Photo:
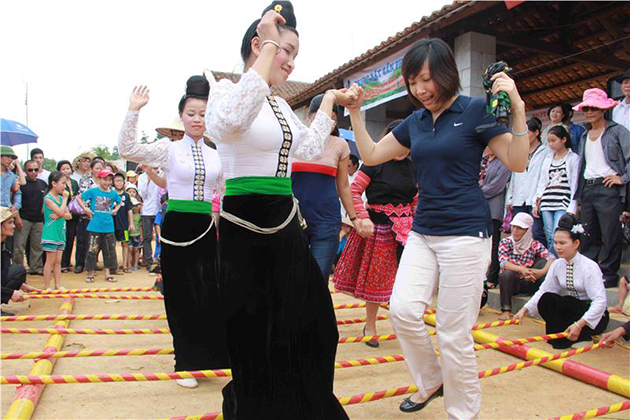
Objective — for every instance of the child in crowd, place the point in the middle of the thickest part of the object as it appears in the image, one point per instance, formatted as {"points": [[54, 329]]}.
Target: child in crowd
{"points": [[159, 218], [557, 183], [54, 232], [623, 307], [104, 204], [123, 221], [135, 236]]}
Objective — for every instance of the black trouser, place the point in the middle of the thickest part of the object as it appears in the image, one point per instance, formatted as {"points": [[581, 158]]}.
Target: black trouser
{"points": [[105, 242], [147, 237], [493, 270], [601, 208], [71, 233], [82, 242], [559, 312], [510, 284], [16, 276]]}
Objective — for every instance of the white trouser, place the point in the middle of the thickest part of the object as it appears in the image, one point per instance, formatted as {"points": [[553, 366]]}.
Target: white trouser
{"points": [[455, 268]]}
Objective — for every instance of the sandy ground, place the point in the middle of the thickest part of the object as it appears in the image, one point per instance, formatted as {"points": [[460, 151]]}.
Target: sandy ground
{"points": [[534, 392]]}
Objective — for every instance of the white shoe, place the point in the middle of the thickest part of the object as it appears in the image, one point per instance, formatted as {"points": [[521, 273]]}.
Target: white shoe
{"points": [[187, 383]]}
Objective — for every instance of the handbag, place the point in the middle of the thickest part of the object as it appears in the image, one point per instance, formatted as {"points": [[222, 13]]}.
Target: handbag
{"points": [[75, 208]]}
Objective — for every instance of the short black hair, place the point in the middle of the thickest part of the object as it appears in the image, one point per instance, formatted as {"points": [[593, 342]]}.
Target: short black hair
{"points": [[441, 61], [561, 132], [534, 124], [313, 107], [120, 175], [54, 176], [36, 151], [354, 159], [567, 111], [63, 162], [97, 160], [29, 161]]}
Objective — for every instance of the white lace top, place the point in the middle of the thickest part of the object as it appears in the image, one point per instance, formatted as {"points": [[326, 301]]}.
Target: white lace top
{"points": [[193, 170], [247, 133]]}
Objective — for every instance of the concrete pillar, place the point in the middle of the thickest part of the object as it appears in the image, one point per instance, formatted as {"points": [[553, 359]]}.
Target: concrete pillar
{"points": [[474, 52]]}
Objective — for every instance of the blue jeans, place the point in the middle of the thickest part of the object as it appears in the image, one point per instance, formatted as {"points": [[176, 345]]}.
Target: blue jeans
{"points": [[324, 250], [550, 219], [539, 232]]}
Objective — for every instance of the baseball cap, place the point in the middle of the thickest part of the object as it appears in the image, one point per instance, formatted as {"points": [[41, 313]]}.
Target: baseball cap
{"points": [[105, 172]]}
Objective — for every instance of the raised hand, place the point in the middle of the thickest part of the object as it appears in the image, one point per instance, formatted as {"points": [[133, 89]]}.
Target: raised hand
{"points": [[139, 98], [504, 83], [267, 29]]}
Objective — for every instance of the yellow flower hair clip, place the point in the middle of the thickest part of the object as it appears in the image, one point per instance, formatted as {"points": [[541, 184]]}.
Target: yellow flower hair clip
{"points": [[278, 8]]}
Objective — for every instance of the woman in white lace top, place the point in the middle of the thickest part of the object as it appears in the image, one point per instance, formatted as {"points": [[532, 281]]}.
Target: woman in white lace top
{"points": [[280, 324], [189, 238]]}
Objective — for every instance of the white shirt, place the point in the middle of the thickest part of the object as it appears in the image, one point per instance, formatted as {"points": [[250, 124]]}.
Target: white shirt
{"points": [[588, 281], [247, 133], [43, 175], [621, 113], [596, 165], [522, 188], [76, 176], [193, 170]]}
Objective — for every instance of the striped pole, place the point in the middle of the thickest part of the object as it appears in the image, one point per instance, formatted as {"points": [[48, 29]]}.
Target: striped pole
{"points": [[520, 341], [103, 317], [153, 317], [207, 416], [534, 362], [113, 377], [596, 412], [87, 353], [580, 371], [84, 331], [359, 320], [94, 290], [94, 296], [27, 396]]}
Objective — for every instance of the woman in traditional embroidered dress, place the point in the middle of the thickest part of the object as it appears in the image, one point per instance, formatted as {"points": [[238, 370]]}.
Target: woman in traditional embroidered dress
{"points": [[318, 185], [572, 298], [281, 328], [189, 239], [368, 265]]}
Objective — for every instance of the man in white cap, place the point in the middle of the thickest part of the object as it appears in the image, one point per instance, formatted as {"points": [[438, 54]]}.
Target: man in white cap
{"points": [[13, 275]]}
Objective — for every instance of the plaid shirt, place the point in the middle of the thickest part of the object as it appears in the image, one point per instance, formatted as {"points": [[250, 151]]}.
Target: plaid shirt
{"points": [[506, 253]]}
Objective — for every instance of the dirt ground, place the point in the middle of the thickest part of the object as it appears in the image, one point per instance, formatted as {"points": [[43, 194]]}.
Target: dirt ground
{"points": [[534, 392]]}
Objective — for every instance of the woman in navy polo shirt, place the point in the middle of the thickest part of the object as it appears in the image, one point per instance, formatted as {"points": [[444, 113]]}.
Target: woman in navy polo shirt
{"points": [[448, 250]]}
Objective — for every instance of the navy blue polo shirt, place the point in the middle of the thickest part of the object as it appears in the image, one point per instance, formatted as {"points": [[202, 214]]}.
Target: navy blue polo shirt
{"points": [[447, 158]]}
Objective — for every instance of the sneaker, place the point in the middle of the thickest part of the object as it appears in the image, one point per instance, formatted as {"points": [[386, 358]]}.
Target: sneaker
{"points": [[78, 269], [187, 383]]}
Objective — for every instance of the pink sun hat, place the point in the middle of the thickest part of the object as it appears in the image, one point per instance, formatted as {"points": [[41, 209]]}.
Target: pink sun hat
{"points": [[595, 98]]}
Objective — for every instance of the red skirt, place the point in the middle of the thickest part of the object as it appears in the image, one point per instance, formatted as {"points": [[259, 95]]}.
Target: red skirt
{"points": [[367, 267]]}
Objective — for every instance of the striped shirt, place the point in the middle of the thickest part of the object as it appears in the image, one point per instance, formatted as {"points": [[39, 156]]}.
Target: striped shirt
{"points": [[557, 195]]}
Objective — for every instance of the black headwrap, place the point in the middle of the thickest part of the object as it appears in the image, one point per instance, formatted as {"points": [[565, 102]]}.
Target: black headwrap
{"points": [[285, 8], [196, 87]]}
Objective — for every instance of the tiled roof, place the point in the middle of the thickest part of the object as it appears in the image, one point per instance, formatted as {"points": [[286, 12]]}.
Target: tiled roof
{"points": [[400, 40], [288, 90]]}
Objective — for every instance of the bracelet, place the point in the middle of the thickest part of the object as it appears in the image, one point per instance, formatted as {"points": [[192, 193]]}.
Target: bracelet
{"points": [[576, 324], [352, 219], [519, 134], [270, 41]]}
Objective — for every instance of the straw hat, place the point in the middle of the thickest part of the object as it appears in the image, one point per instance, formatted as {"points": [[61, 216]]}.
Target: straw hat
{"points": [[6, 214], [168, 130]]}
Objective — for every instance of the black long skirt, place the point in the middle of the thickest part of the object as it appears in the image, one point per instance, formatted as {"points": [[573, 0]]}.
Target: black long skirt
{"points": [[280, 323], [191, 293], [559, 312]]}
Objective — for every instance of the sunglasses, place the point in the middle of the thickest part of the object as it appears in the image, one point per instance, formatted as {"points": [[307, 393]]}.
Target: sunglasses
{"points": [[590, 109], [32, 170]]}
